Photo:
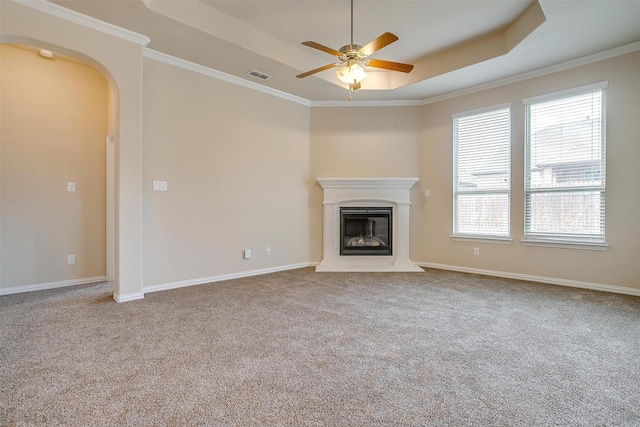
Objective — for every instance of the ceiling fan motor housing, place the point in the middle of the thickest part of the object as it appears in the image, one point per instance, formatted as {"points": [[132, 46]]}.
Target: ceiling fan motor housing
{"points": [[351, 51]]}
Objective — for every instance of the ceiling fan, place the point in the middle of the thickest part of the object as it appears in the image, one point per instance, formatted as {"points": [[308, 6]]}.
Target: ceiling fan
{"points": [[352, 56]]}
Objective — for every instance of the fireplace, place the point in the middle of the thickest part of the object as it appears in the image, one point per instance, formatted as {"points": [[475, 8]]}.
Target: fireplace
{"points": [[366, 224], [366, 231]]}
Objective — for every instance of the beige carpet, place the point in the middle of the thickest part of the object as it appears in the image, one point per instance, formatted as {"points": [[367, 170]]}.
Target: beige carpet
{"points": [[300, 348]]}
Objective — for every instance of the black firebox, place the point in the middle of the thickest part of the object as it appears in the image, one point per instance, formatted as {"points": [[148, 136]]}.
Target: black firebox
{"points": [[366, 231]]}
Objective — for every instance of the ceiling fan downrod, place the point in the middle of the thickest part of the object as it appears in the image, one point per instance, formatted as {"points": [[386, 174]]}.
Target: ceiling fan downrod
{"points": [[351, 44]]}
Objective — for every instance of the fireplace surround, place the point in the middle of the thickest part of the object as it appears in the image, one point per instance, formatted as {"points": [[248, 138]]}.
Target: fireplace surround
{"points": [[373, 195]]}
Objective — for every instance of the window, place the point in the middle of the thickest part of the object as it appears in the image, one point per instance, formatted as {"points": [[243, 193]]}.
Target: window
{"points": [[482, 172], [565, 166]]}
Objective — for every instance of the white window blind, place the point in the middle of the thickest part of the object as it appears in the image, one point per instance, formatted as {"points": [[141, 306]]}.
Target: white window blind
{"points": [[565, 167], [482, 172]]}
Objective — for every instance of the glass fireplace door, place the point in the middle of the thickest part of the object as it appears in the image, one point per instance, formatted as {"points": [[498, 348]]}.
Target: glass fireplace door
{"points": [[366, 231]]}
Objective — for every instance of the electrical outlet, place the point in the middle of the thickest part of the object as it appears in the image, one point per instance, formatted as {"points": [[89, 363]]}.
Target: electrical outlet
{"points": [[160, 186], [246, 254], [71, 259], [268, 251], [476, 251]]}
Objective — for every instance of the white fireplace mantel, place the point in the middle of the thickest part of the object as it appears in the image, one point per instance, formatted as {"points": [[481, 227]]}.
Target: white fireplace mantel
{"points": [[367, 192]]}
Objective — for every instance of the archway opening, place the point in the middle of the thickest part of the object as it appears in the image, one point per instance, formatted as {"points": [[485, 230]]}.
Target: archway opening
{"points": [[58, 138]]}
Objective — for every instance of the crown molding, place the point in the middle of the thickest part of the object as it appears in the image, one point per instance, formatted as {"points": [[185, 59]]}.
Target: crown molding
{"points": [[201, 69], [84, 20], [397, 103], [600, 56], [574, 63], [142, 40]]}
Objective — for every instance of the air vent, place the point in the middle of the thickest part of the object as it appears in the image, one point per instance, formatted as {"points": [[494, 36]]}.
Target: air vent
{"points": [[259, 75]]}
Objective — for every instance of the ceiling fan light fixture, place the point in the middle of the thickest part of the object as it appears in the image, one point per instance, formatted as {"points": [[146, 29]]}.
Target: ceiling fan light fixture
{"points": [[351, 73]]}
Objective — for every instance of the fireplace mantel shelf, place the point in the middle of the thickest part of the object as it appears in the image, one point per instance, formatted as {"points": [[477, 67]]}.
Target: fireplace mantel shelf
{"points": [[369, 192], [400, 183]]}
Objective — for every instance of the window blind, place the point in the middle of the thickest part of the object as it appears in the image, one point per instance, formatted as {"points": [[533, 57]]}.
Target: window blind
{"points": [[482, 172], [565, 168]]}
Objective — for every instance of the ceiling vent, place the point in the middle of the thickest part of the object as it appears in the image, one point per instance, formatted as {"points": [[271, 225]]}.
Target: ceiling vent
{"points": [[259, 75]]}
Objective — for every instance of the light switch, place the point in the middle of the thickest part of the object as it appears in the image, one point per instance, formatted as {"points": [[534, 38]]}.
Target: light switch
{"points": [[427, 192], [160, 186], [71, 186]]}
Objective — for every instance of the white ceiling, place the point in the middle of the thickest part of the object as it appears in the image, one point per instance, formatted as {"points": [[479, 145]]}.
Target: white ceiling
{"points": [[237, 36]]}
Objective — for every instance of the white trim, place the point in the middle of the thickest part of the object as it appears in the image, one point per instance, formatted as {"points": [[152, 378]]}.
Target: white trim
{"points": [[600, 56], [489, 109], [397, 103], [566, 92], [565, 244], [51, 285], [221, 277], [210, 72], [86, 21], [104, 27], [128, 297], [404, 183], [555, 238], [596, 57], [574, 63], [483, 239], [362, 265], [539, 279], [110, 200]]}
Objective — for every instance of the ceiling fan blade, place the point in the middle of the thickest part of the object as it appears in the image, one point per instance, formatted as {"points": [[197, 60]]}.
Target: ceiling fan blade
{"points": [[316, 70], [389, 65], [322, 48], [378, 43]]}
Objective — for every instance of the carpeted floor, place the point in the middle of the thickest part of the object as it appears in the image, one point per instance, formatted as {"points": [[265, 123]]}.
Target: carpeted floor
{"points": [[300, 348]]}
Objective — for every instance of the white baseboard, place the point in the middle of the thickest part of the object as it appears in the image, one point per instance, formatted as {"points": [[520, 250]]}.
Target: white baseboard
{"points": [[219, 278], [230, 276], [51, 285], [539, 279], [128, 297]]}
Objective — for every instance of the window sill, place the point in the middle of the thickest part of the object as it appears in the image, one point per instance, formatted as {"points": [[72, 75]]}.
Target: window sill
{"points": [[484, 239], [566, 244]]}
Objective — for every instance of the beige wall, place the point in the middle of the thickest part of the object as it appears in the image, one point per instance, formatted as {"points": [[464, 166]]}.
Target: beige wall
{"points": [[223, 149], [54, 115], [361, 142], [618, 266], [237, 166]]}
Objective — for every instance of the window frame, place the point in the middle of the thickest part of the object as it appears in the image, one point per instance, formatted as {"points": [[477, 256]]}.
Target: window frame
{"points": [[559, 239], [492, 237]]}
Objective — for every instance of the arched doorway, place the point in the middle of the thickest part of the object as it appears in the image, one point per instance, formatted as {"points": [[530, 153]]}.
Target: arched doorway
{"points": [[118, 55], [57, 218]]}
